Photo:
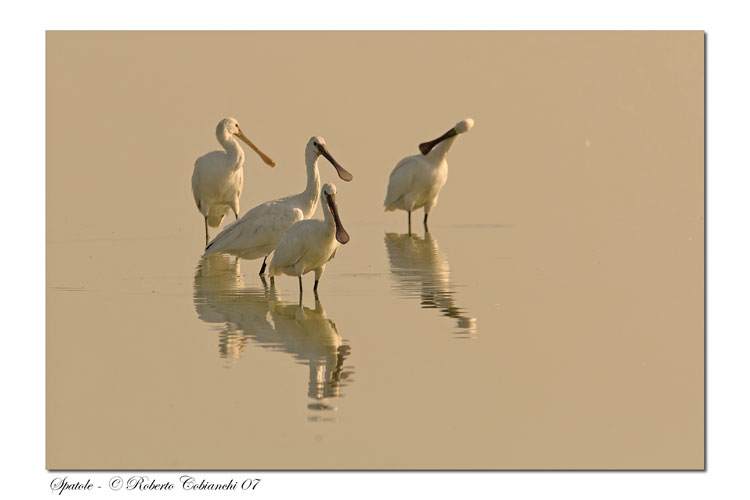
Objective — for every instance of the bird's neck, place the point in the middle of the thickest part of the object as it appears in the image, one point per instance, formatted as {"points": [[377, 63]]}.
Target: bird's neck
{"points": [[440, 151], [311, 194], [233, 149]]}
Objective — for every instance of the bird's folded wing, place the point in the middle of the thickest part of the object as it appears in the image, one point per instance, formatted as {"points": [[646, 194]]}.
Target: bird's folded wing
{"points": [[196, 187], [258, 229], [400, 181], [333, 254], [293, 245]]}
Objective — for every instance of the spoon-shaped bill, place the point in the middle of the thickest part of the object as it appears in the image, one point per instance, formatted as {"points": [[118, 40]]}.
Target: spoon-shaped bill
{"points": [[343, 173], [341, 235], [426, 147], [268, 161]]}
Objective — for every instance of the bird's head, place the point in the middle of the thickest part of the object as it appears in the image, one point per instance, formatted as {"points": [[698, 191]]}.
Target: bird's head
{"points": [[230, 127], [316, 147], [329, 190], [460, 128], [316, 144], [464, 126]]}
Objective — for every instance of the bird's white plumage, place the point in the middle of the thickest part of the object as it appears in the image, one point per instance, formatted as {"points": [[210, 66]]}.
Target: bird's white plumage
{"points": [[464, 126], [255, 235], [416, 181], [218, 176], [258, 231], [309, 244], [304, 247]]}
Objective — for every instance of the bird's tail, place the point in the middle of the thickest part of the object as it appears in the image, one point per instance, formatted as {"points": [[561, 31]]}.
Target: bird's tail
{"points": [[273, 271], [215, 220], [215, 216]]}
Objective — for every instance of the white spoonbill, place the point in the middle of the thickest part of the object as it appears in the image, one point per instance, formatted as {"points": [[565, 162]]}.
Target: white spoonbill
{"points": [[217, 176], [309, 244], [416, 180], [256, 234]]}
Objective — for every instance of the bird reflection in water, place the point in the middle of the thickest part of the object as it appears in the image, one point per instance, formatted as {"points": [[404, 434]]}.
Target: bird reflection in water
{"points": [[421, 271], [257, 314], [218, 280], [312, 339]]}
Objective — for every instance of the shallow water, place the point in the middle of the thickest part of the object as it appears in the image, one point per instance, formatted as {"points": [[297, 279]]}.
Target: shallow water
{"points": [[338, 366], [416, 359]]}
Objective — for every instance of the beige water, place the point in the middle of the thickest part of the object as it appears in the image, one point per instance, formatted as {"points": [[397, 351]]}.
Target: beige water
{"points": [[551, 317]]}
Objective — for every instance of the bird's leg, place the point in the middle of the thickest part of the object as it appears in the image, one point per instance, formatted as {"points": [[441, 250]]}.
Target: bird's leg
{"points": [[263, 267], [300, 285], [317, 299], [263, 280], [408, 216], [205, 223], [318, 274], [425, 222]]}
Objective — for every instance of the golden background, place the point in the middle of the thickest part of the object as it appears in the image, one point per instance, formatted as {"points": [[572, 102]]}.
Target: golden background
{"points": [[581, 187]]}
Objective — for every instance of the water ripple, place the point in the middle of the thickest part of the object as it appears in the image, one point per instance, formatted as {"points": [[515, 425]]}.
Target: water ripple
{"points": [[258, 315], [420, 271]]}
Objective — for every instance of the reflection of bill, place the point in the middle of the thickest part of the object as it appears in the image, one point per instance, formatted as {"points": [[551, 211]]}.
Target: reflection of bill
{"points": [[421, 271], [257, 314]]}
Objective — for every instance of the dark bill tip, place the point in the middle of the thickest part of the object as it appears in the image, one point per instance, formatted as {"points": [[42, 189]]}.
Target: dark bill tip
{"points": [[343, 173], [341, 235]]}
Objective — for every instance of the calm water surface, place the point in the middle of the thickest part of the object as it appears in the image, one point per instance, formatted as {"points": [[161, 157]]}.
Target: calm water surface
{"points": [[452, 348], [254, 312], [389, 352]]}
